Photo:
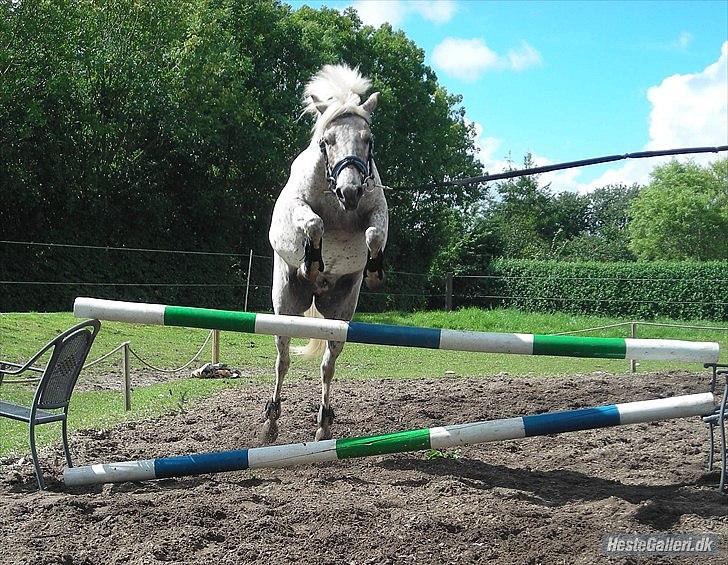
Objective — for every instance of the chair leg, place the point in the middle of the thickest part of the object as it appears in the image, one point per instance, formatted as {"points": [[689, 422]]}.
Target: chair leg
{"points": [[34, 452], [65, 444]]}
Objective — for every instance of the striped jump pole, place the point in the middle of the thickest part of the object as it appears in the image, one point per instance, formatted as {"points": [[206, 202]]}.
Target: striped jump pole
{"points": [[381, 334], [399, 442]]}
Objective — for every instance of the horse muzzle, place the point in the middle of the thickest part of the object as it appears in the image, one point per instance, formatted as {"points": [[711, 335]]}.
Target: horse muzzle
{"points": [[349, 196]]}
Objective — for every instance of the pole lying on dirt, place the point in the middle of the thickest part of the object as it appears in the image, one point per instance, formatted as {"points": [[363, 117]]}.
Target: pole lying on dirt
{"points": [[399, 442], [409, 336]]}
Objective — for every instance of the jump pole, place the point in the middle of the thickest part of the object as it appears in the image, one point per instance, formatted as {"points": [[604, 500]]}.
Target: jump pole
{"points": [[399, 442], [409, 336]]}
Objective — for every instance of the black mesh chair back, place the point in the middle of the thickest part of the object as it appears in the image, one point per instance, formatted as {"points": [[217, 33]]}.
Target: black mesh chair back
{"points": [[65, 364]]}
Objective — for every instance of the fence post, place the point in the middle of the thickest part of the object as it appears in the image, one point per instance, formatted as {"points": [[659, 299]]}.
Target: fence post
{"points": [[247, 285], [448, 292], [127, 376], [215, 346], [633, 334]]}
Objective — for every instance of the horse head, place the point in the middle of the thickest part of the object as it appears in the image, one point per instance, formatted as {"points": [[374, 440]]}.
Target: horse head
{"points": [[343, 131]]}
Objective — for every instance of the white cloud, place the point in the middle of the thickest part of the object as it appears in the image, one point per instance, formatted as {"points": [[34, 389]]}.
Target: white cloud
{"points": [[394, 12], [468, 59], [377, 12], [465, 59], [689, 110], [524, 57], [436, 11], [566, 180], [487, 147], [494, 163], [692, 108]]}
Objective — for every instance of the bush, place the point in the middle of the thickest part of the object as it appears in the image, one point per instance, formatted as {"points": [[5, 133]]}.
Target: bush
{"points": [[682, 290]]}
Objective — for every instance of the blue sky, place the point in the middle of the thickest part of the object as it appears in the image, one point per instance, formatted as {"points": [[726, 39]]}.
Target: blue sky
{"points": [[571, 80]]}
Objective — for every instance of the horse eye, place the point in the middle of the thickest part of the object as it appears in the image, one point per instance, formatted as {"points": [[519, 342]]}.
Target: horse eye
{"points": [[330, 138], [366, 136]]}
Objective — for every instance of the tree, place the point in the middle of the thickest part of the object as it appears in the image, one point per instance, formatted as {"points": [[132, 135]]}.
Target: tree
{"points": [[521, 211], [682, 214], [604, 237], [173, 123]]}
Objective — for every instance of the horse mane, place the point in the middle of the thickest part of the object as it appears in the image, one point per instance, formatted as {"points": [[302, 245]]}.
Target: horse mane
{"points": [[341, 88]]}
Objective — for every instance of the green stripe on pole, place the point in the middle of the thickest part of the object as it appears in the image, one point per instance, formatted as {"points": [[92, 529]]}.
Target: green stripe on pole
{"points": [[210, 319], [398, 442], [603, 347]]}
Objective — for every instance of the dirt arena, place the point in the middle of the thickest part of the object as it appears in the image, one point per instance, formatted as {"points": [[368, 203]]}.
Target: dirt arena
{"points": [[538, 500]]}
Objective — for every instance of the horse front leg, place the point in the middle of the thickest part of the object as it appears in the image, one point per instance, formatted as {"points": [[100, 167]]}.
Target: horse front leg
{"points": [[374, 271], [272, 411], [312, 226], [326, 413]]}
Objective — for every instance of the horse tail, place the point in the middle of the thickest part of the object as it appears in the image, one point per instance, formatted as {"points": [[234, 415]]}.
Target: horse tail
{"points": [[315, 347]]}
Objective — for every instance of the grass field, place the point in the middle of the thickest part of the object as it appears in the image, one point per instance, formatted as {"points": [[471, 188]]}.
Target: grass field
{"points": [[23, 334]]}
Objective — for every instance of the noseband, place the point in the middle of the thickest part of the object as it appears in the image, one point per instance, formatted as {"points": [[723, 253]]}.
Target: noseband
{"points": [[365, 168]]}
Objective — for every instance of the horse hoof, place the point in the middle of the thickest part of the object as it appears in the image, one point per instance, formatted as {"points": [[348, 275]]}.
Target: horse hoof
{"points": [[322, 433], [268, 432]]}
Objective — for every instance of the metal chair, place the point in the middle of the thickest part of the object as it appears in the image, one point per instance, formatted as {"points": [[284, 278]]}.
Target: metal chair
{"points": [[53, 393]]}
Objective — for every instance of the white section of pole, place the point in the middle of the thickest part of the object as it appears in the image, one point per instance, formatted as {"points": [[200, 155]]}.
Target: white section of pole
{"points": [[672, 350], [478, 432], [298, 326], [666, 408], [292, 454], [485, 342], [118, 311], [109, 473]]}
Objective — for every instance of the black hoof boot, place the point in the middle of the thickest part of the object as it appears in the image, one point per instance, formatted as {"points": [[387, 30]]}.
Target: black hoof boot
{"points": [[311, 255], [374, 271]]}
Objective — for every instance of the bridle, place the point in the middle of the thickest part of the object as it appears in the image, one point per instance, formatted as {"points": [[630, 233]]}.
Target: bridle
{"points": [[365, 168]]}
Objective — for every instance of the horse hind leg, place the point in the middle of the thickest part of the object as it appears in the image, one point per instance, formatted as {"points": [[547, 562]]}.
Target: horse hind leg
{"points": [[326, 413], [338, 304], [272, 411], [290, 297]]}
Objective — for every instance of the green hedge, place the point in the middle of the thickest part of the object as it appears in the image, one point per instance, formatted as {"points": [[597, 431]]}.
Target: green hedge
{"points": [[682, 290], [120, 275]]}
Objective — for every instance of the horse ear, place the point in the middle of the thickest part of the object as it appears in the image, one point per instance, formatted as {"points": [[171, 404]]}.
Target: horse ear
{"points": [[371, 103], [320, 104]]}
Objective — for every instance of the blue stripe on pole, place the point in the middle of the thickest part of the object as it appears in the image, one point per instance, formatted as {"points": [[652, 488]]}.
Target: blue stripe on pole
{"points": [[382, 334], [201, 463], [571, 420]]}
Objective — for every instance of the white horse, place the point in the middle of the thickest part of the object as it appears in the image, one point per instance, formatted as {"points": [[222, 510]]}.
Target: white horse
{"points": [[329, 225]]}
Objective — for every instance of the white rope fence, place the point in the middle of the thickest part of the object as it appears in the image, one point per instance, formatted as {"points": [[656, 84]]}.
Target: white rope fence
{"points": [[620, 324], [126, 350], [92, 363], [178, 369]]}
